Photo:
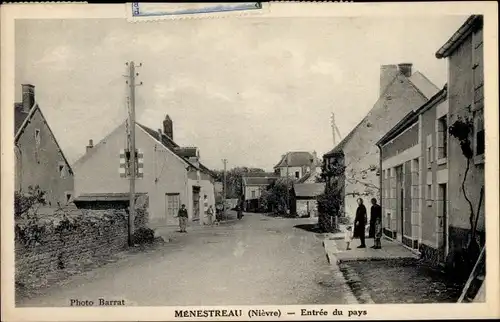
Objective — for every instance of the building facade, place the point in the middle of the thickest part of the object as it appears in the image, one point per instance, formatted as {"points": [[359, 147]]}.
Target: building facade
{"points": [[401, 91], [305, 195], [40, 160], [168, 177], [464, 52], [252, 190], [297, 164], [414, 162]]}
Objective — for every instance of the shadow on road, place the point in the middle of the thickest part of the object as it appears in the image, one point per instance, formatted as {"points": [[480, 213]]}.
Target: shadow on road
{"points": [[312, 228]]}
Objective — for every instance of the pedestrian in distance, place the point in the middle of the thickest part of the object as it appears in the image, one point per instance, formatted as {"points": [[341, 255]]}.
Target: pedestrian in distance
{"points": [[375, 212], [348, 237], [183, 218], [210, 215], [360, 223]]}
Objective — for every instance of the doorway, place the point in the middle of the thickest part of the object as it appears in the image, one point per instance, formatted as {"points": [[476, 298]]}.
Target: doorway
{"points": [[196, 203], [443, 212], [172, 206], [399, 203]]}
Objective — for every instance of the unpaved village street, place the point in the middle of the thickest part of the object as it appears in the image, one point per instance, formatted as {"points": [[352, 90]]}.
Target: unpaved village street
{"points": [[259, 260]]}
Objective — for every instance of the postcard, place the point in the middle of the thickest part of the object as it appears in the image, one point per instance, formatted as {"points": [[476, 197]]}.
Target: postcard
{"points": [[249, 161]]}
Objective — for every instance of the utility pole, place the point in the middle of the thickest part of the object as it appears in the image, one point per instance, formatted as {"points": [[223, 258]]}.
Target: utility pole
{"points": [[131, 148], [224, 189], [335, 130]]}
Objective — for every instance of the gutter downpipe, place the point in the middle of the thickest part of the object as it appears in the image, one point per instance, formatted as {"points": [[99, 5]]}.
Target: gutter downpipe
{"points": [[381, 184]]}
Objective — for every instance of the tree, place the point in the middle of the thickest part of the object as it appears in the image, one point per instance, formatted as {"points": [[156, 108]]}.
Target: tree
{"points": [[331, 201], [462, 130], [277, 196], [23, 202]]}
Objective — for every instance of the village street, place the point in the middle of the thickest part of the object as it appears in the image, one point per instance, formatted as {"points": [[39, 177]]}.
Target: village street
{"points": [[258, 260]]}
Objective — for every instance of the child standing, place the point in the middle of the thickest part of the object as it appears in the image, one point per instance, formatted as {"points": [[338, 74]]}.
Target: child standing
{"points": [[348, 237]]}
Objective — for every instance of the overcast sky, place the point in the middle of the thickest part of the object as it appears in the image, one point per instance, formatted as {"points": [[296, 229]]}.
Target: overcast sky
{"points": [[243, 89]]}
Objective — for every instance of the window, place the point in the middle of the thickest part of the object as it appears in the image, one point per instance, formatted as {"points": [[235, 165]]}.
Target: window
{"points": [[37, 137], [253, 194], [442, 133], [479, 132], [62, 170], [429, 195], [429, 150], [68, 196], [297, 174]]}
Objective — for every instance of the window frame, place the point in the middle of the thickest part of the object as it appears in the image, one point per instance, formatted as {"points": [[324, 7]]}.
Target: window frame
{"points": [[38, 137]]}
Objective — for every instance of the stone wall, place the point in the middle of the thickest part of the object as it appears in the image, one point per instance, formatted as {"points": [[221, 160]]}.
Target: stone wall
{"points": [[70, 239]]}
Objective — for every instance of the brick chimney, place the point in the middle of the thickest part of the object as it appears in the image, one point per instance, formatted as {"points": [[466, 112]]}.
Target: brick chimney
{"points": [[90, 146], [28, 97], [405, 69], [387, 74], [168, 127]]}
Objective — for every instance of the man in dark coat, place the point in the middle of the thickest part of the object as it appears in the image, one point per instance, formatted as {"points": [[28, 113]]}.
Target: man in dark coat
{"points": [[375, 212], [360, 223]]}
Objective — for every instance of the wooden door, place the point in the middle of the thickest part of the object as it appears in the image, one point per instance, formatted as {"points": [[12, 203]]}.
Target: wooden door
{"points": [[172, 206], [196, 203]]}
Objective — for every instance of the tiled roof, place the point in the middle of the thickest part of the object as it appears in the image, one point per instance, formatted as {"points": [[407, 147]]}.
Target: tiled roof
{"points": [[307, 176], [474, 21], [174, 147], [423, 85], [258, 181], [309, 189], [107, 196], [297, 159]]}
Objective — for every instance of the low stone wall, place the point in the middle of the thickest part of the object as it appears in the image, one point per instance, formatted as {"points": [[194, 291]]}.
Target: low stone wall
{"points": [[70, 239]]}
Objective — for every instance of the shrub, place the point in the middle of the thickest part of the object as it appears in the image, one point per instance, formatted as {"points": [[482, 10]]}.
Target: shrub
{"points": [[144, 235]]}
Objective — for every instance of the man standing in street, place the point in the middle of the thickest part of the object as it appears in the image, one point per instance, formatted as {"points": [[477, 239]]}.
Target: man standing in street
{"points": [[183, 217], [360, 223], [375, 212]]}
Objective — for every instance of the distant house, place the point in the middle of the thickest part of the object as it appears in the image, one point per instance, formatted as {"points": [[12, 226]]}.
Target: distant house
{"points": [[414, 159], [464, 51], [298, 164], [252, 190], [401, 91], [171, 175], [305, 195], [39, 158]]}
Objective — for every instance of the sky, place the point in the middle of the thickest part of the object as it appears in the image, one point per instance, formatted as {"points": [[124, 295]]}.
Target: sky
{"points": [[247, 90]]}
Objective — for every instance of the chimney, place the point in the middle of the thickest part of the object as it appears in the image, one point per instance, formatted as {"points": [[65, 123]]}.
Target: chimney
{"points": [[160, 134], [405, 69], [90, 146], [28, 97], [168, 127], [387, 74]]}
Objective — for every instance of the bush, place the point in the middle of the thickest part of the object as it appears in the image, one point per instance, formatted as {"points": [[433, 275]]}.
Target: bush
{"points": [[144, 235]]}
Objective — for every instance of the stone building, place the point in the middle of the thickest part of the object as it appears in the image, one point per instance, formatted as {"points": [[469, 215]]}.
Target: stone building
{"points": [[401, 91], [414, 162], [298, 164], [464, 52], [171, 175], [39, 158]]}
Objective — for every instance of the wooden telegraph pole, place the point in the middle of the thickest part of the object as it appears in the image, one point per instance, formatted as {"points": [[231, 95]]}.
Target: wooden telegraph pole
{"points": [[131, 148]]}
